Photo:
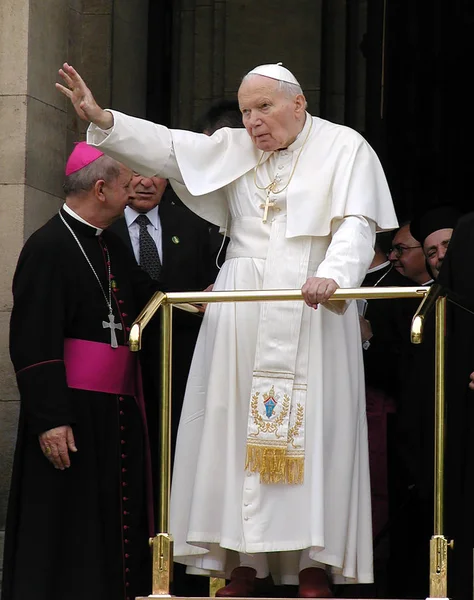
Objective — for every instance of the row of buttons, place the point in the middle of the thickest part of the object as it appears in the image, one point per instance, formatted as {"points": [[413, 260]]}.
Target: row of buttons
{"points": [[125, 499]]}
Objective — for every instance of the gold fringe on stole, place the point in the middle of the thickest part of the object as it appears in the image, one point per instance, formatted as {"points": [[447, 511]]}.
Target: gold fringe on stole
{"points": [[274, 465]]}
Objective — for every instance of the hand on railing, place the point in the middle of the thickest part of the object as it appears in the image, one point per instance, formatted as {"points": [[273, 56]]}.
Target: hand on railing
{"points": [[202, 306], [318, 290]]}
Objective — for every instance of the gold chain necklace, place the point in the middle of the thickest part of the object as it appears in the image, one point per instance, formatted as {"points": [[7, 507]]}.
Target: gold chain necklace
{"points": [[271, 187]]}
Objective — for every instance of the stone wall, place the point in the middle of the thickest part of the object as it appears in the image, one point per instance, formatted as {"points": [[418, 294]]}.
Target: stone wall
{"points": [[218, 41]]}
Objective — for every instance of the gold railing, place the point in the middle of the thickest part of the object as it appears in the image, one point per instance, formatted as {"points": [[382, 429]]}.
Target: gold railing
{"points": [[162, 543]]}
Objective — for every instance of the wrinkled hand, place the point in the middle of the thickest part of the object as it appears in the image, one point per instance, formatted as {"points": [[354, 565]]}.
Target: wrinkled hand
{"points": [[202, 307], [56, 443], [471, 383], [365, 329], [318, 290], [82, 99]]}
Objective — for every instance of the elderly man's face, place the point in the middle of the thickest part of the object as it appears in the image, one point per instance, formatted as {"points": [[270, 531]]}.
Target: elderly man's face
{"points": [[147, 192], [271, 118], [407, 256], [435, 246]]}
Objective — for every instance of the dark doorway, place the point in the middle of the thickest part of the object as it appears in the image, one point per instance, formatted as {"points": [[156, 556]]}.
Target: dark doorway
{"points": [[428, 61], [160, 52]]}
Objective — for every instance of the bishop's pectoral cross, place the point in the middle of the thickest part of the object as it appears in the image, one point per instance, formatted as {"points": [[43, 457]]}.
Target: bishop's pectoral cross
{"points": [[112, 325], [269, 203]]}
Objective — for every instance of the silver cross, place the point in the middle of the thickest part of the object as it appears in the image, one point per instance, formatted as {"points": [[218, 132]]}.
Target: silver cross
{"points": [[112, 325]]}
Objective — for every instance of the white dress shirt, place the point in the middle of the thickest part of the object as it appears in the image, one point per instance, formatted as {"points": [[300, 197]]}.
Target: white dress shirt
{"points": [[154, 229]]}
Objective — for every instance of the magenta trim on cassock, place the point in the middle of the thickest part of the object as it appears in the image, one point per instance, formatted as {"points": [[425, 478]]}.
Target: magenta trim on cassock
{"points": [[97, 367], [43, 362]]}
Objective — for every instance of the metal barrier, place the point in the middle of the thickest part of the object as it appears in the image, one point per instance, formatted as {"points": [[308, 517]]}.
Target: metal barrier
{"points": [[162, 543]]}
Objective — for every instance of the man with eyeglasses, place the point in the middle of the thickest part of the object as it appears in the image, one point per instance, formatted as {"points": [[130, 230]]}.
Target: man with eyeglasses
{"points": [[434, 229], [406, 256]]}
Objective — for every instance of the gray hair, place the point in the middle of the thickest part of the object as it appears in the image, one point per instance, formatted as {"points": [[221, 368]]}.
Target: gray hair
{"points": [[290, 90], [104, 167]]}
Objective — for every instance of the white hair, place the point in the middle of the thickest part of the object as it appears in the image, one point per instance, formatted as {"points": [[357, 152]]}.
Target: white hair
{"points": [[289, 90]]}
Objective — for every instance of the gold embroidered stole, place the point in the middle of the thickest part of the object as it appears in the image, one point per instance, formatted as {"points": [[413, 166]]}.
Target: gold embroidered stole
{"points": [[276, 421]]}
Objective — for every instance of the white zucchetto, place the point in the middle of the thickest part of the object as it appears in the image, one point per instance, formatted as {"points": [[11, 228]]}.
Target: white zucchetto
{"points": [[275, 71]]}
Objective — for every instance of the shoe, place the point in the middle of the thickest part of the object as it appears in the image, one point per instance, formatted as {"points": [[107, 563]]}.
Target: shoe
{"points": [[244, 583], [314, 583]]}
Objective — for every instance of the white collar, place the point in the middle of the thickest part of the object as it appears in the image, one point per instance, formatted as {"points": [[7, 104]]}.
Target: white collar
{"points": [[379, 267], [131, 214], [301, 137], [74, 215]]}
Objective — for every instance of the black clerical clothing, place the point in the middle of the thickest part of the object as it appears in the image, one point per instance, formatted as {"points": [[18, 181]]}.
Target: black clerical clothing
{"points": [[393, 368], [456, 275], [82, 532], [390, 322], [413, 510]]}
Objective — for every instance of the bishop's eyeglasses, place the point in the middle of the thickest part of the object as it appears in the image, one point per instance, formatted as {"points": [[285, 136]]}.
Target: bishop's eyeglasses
{"points": [[399, 249]]}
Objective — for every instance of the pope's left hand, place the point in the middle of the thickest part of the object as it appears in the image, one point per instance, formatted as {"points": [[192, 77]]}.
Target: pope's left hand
{"points": [[471, 383], [318, 290], [202, 307]]}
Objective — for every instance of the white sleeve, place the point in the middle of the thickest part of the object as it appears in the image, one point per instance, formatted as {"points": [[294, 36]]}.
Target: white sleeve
{"points": [[350, 252], [144, 147]]}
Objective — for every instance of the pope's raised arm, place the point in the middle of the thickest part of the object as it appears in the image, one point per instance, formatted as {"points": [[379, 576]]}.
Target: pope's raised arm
{"points": [[82, 99]]}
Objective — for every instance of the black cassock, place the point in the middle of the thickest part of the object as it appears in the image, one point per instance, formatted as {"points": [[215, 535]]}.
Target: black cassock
{"points": [[82, 532], [456, 274]]}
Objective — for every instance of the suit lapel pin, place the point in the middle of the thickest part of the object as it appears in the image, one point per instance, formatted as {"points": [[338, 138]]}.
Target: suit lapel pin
{"points": [[175, 239]]}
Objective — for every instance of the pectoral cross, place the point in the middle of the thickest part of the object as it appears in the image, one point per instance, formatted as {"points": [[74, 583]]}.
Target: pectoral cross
{"points": [[268, 204], [112, 325]]}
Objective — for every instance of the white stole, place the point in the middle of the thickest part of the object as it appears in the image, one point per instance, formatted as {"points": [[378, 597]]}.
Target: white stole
{"points": [[276, 421]]}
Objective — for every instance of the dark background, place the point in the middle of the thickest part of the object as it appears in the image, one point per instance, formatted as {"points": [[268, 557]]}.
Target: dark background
{"points": [[419, 59]]}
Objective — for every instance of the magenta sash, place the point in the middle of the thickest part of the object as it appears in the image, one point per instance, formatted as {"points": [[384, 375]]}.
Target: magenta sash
{"points": [[97, 367]]}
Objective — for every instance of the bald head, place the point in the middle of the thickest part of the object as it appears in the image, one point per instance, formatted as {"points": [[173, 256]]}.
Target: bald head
{"points": [[273, 111]]}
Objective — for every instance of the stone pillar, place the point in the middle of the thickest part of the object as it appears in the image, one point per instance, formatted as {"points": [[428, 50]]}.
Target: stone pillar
{"points": [[33, 42], [38, 130], [218, 41], [129, 56]]}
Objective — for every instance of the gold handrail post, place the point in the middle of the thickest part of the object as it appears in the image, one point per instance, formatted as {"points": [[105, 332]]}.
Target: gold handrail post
{"points": [[438, 543], [162, 543]]}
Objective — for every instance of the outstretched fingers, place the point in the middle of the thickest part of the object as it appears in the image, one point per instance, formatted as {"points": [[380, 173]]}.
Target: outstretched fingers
{"points": [[64, 90]]}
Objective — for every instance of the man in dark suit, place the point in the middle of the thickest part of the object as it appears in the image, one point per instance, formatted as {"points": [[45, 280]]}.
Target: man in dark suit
{"points": [[174, 246]]}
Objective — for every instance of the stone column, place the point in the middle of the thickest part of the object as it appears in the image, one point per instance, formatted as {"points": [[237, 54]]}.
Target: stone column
{"points": [[33, 43], [38, 130], [218, 41]]}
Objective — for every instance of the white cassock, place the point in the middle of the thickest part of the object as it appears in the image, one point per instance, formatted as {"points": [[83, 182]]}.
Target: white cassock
{"points": [[325, 227]]}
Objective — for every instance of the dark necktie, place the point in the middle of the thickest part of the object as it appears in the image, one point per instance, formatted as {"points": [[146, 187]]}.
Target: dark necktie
{"points": [[149, 257]]}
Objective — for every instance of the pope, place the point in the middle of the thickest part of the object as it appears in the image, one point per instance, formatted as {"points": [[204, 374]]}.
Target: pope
{"points": [[271, 478]]}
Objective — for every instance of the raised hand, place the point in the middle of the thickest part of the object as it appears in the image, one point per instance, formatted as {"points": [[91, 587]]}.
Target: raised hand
{"points": [[82, 99]]}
